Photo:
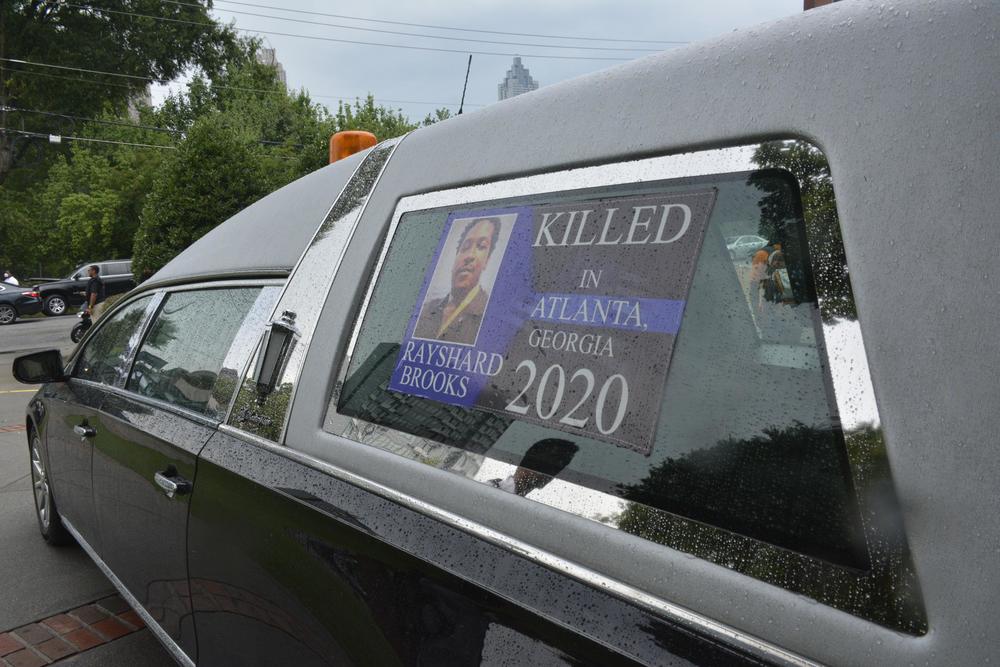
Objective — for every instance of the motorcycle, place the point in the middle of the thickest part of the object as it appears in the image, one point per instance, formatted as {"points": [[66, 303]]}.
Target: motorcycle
{"points": [[81, 327]]}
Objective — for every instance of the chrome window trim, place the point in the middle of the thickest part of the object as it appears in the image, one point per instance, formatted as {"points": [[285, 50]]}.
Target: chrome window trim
{"points": [[175, 651], [676, 613], [393, 144], [306, 337], [152, 402]]}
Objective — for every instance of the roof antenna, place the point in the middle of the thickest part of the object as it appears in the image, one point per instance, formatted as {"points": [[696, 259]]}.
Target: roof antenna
{"points": [[466, 85]]}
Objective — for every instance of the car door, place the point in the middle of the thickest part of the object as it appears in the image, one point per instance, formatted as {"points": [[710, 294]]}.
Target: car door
{"points": [[74, 416], [144, 458]]}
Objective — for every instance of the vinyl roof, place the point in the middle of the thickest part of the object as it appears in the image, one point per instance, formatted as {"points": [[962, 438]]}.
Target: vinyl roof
{"points": [[267, 237]]}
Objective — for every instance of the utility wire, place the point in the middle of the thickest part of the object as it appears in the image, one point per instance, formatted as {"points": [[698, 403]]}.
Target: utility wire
{"points": [[425, 35], [344, 41], [167, 82], [92, 120], [42, 135], [435, 27], [266, 142]]}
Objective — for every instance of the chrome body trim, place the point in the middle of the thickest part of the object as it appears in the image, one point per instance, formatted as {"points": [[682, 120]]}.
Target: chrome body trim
{"points": [[304, 340], [175, 651], [295, 360], [681, 615]]}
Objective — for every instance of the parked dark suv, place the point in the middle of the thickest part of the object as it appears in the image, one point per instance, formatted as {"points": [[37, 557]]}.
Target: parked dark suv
{"points": [[497, 392], [59, 295]]}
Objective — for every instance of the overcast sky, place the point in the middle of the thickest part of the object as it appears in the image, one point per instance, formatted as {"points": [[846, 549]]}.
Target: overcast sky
{"points": [[328, 70]]}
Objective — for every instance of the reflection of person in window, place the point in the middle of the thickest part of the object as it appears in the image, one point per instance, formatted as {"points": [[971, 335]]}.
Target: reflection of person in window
{"points": [[456, 317], [543, 461]]}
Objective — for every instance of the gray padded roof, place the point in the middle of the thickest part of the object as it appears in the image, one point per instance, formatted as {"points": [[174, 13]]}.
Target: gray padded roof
{"points": [[267, 237]]}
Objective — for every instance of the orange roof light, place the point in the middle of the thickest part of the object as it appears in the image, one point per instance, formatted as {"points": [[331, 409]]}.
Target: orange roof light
{"points": [[347, 143]]}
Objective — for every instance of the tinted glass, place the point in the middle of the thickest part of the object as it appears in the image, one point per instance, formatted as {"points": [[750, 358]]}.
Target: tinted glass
{"points": [[748, 435], [117, 268], [103, 359], [192, 355]]}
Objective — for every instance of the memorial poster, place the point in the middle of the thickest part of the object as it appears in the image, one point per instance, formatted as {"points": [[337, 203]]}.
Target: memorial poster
{"points": [[562, 314]]}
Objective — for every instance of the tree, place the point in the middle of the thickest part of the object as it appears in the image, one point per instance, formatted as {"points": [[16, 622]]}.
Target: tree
{"points": [[87, 208], [214, 174], [111, 38], [382, 122]]}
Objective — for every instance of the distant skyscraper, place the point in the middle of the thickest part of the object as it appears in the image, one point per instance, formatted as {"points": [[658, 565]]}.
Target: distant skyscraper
{"points": [[270, 57], [143, 98], [517, 81]]}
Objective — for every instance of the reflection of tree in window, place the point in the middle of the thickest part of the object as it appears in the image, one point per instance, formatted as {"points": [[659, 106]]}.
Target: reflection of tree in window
{"points": [[786, 488], [104, 353], [826, 247]]}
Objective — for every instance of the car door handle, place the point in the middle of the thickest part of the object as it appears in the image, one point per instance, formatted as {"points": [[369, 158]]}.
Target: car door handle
{"points": [[84, 431], [171, 484]]}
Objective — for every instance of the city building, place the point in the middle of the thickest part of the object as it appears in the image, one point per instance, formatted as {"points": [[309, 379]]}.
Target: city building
{"points": [[517, 81], [270, 57], [138, 100]]}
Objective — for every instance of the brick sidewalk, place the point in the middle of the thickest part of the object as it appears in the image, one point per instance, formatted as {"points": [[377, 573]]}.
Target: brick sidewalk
{"points": [[62, 635]]}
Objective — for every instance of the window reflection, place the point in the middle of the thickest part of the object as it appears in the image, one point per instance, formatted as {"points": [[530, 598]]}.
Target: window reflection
{"points": [[108, 349], [189, 358]]}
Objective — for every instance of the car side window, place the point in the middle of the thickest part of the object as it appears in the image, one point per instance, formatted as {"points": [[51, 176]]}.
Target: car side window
{"points": [[707, 420], [195, 351], [106, 352]]}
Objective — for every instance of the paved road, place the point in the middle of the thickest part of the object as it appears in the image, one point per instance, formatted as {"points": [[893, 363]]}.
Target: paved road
{"points": [[38, 581], [36, 333]]}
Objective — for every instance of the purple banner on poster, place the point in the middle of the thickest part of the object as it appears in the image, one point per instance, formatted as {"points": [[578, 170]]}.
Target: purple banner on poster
{"points": [[560, 314]]}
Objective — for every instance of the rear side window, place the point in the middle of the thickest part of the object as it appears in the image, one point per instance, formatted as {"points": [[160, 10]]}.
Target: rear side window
{"points": [[193, 355], [102, 360], [117, 268], [684, 393]]}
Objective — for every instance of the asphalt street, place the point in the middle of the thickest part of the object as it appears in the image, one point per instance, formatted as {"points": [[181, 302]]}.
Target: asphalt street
{"points": [[36, 580]]}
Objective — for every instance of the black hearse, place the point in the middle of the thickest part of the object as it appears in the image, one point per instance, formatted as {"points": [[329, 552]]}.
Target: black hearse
{"points": [[498, 393]]}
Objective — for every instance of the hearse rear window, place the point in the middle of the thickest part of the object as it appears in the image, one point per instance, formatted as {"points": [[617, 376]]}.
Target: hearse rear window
{"points": [[655, 356]]}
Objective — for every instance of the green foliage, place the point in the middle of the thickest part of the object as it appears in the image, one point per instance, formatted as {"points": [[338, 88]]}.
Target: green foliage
{"points": [[215, 173], [109, 38], [86, 209], [383, 123], [238, 132]]}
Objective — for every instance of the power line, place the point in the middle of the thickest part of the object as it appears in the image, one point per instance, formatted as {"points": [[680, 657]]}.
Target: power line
{"points": [[435, 27], [41, 135], [167, 82], [61, 137], [425, 35], [266, 142], [348, 41], [92, 120]]}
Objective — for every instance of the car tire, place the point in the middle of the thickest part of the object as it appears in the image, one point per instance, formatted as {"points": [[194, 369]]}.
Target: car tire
{"points": [[55, 305], [7, 314], [49, 522]]}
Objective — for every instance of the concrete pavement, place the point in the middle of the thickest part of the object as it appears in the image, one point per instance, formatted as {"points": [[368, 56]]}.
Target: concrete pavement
{"points": [[38, 581]]}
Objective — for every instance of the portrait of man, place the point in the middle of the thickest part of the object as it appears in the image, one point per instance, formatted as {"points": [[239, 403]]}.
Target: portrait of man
{"points": [[456, 317]]}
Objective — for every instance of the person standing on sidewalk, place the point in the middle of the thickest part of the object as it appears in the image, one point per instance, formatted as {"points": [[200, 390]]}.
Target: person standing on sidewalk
{"points": [[95, 293]]}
